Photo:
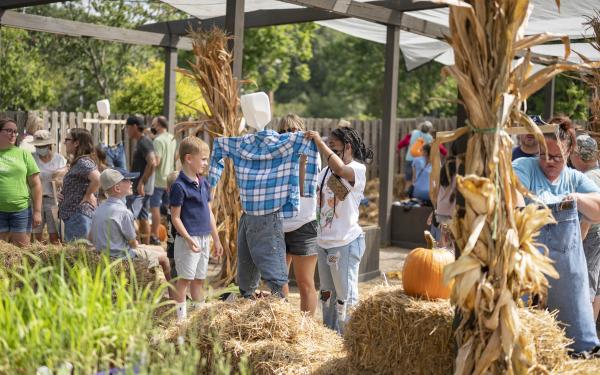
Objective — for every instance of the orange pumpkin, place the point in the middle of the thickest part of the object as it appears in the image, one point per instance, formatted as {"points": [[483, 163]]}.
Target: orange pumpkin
{"points": [[162, 233], [423, 271]]}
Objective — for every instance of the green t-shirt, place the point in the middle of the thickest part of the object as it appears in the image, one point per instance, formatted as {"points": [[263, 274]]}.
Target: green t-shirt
{"points": [[164, 146], [16, 165]]}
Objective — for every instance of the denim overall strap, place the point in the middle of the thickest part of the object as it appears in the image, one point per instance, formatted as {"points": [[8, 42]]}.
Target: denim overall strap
{"points": [[569, 294]]}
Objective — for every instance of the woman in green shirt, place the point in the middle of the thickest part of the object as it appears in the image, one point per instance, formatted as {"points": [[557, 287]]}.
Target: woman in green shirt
{"points": [[20, 183]]}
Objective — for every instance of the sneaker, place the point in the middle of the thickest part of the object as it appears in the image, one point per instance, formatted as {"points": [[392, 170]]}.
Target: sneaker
{"points": [[154, 241], [588, 354]]}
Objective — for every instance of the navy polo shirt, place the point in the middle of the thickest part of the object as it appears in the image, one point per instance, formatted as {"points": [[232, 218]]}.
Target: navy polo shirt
{"points": [[193, 198]]}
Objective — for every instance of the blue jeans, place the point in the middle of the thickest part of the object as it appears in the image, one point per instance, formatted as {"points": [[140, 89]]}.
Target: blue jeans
{"points": [[570, 294], [115, 155], [261, 253], [159, 198], [16, 222], [338, 276], [77, 227]]}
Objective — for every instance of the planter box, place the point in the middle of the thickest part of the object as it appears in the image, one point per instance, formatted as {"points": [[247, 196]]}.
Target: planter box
{"points": [[369, 264], [408, 225]]}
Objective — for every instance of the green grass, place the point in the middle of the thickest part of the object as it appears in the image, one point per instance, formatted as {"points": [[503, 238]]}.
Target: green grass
{"points": [[92, 315]]}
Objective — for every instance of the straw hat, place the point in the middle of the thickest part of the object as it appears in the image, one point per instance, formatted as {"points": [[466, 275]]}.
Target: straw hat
{"points": [[42, 138]]}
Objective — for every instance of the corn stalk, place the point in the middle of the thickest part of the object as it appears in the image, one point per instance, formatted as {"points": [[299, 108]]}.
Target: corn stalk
{"points": [[592, 77], [211, 70], [498, 260]]}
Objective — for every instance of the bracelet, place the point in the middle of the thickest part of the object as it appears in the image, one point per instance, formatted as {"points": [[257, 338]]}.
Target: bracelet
{"points": [[329, 157]]}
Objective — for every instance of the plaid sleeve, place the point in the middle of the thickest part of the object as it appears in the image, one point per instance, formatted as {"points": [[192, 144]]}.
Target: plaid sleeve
{"points": [[309, 148], [222, 148]]}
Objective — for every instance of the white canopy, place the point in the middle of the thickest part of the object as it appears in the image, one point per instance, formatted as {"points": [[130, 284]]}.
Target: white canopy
{"points": [[417, 49]]}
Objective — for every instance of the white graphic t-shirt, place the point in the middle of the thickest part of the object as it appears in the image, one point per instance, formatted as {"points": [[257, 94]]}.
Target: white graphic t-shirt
{"points": [[338, 220]]}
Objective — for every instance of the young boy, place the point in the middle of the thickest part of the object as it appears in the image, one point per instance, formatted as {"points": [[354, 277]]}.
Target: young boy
{"points": [[112, 225], [194, 221]]}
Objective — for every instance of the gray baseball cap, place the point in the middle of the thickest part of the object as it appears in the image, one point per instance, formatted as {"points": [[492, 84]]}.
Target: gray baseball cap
{"points": [[111, 177], [587, 148]]}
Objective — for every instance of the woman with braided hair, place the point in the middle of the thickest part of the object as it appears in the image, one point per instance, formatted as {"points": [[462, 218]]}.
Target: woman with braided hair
{"points": [[340, 238]]}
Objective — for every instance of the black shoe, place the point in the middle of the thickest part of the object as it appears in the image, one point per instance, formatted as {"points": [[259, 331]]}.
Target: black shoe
{"points": [[154, 241], [588, 354]]}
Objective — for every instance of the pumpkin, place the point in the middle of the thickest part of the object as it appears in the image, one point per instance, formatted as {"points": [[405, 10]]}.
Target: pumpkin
{"points": [[423, 271], [162, 233]]}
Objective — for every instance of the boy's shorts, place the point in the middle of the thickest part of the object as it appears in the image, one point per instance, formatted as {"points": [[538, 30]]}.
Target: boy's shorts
{"points": [[149, 254], [191, 265]]}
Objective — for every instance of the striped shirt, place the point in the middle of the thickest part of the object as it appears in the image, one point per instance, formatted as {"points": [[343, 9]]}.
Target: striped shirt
{"points": [[267, 170]]}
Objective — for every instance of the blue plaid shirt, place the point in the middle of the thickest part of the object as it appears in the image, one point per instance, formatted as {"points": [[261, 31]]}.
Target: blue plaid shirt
{"points": [[267, 169]]}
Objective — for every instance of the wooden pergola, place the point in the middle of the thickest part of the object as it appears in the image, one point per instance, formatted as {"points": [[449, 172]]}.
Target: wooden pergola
{"points": [[171, 36]]}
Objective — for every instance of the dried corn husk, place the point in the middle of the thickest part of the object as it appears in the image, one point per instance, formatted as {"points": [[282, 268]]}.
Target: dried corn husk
{"points": [[499, 261], [211, 70], [592, 76]]}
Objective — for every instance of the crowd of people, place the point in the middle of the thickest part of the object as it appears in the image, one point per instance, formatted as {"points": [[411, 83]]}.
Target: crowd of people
{"points": [[297, 213], [99, 201]]}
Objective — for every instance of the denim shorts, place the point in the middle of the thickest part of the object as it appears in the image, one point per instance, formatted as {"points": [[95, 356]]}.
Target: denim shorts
{"points": [[77, 227], [16, 222], [302, 241], [159, 198], [139, 206]]}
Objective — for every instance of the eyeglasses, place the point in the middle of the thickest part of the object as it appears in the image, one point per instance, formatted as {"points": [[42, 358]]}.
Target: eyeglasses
{"points": [[10, 131], [289, 130], [554, 158]]}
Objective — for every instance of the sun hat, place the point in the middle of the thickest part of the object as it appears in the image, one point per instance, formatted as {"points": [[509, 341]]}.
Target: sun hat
{"points": [[42, 138]]}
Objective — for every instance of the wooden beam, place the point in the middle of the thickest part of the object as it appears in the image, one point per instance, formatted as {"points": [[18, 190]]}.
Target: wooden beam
{"points": [[259, 18], [12, 4], [389, 132], [549, 99], [234, 25], [170, 87], [380, 14], [407, 5], [81, 29]]}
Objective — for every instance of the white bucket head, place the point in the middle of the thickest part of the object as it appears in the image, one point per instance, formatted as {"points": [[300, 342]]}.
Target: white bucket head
{"points": [[257, 109], [103, 108]]}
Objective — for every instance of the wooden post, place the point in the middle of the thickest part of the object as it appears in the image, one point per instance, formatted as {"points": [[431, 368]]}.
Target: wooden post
{"points": [[389, 134], [234, 26], [549, 99], [170, 88]]}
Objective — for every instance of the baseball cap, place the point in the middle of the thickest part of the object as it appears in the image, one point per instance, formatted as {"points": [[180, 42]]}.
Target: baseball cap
{"points": [[538, 120], [425, 126], [135, 120], [111, 177], [42, 138], [587, 148]]}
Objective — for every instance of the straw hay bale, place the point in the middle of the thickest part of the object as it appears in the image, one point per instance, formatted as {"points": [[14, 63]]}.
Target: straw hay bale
{"points": [[12, 257], [391, 333], [273, 336], [580, 367]]}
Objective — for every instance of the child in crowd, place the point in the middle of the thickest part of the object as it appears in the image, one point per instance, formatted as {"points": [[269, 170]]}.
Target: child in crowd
{"points": [[171, 232], [194, 221], [112, 225]]}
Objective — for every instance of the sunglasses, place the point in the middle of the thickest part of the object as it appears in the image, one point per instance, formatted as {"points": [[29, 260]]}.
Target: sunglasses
{"points": [[288, 130]]}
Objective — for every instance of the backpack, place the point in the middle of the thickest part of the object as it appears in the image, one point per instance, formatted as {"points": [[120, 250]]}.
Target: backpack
{"points": [[416, 149]]}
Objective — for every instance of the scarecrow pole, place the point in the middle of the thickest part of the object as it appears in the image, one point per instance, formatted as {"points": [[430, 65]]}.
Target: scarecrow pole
{"points": [[498, 261]]}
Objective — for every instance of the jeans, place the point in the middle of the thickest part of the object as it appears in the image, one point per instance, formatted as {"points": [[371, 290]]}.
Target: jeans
{"points": [[139, 206], [570, 294], [16, 222], [261, 252], [115, 155], [77, 227], [338, 275]]}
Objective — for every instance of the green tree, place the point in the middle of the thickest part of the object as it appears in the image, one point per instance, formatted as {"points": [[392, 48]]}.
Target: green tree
{"points": [[142, 92], [272, 54], [90, 69], [25, 81]]}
